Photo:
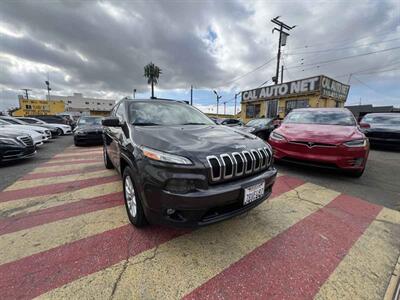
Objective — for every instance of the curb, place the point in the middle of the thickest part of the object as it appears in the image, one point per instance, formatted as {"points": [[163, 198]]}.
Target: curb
{"points": [[393, 289]]}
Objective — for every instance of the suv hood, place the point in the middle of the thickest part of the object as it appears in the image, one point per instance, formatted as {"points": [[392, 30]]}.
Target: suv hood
{"points": [[329, 134], [196, 140]]}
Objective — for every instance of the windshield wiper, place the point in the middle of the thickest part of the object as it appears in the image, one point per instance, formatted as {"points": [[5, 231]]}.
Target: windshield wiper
{"points": [[144, 124], [194, 123]]}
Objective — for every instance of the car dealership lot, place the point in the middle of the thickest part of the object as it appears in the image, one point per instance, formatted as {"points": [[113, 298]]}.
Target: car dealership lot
{"points": [[64, 233]]}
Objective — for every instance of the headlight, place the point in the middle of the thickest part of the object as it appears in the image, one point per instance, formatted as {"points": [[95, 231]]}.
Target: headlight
{"points": [[356, 143], [165, 157], [277, 137], [7, 141], [40, 131], [79, 132]]}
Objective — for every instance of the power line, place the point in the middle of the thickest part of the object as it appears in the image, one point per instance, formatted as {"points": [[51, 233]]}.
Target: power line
{"points": [[346, 40], [248, 73], [393, 63], [341, 48], [371, 88], [345, 57]]}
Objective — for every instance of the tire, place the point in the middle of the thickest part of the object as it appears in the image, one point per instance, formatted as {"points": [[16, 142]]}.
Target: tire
{"points": [[107, 162], [133, 206], [60, 132]]}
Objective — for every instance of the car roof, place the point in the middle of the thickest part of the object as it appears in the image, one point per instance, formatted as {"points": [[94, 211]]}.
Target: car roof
{"points": [[383, 114], [323, 109]]}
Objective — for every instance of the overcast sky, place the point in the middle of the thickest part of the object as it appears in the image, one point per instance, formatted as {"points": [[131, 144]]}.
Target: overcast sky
{"points": [[99, 48]]}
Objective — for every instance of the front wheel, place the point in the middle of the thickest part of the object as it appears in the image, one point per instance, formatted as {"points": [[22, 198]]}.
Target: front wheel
{"points": [[59, 132], [133, 202]]}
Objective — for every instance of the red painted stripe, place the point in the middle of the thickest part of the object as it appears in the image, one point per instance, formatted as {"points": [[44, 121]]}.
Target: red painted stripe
{"points": [[67, 163], [284, 184], [78, 156], [39, 273], [52, 214], [34, 275], [55, 188], [91, 168], [297, 262]]}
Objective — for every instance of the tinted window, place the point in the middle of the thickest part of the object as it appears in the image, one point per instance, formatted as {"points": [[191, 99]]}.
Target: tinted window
{"points": [[381, 119], [165, 113], [320, 117], [31, 121], [11, 121]]}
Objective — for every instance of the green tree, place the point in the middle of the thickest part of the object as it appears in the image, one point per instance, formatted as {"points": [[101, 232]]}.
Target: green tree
{"points": [[152, 73]]}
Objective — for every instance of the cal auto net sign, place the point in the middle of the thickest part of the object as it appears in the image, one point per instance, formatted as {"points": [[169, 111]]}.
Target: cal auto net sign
{"points": [[334, 89], [326, 86]]}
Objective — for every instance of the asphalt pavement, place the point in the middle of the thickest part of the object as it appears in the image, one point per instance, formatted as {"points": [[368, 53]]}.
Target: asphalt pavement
{"points": [[380, 183], [11, 171]]}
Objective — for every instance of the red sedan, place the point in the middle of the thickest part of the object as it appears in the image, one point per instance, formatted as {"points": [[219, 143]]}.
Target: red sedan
{"points": [[326, 137]]}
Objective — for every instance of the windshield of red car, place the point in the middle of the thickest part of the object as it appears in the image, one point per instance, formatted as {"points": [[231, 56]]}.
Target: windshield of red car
{"points": [[321, 117]]}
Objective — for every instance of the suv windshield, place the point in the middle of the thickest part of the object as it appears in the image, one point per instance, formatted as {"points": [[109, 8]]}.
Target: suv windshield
{"points": [[380, 119], [83, 121], [320, 117], [165, 113]]}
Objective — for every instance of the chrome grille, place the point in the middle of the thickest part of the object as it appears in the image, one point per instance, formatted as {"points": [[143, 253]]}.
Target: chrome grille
{"points": [[26, 140], [236, 164]]}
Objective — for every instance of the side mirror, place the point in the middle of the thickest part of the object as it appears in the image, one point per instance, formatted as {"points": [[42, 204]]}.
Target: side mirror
{"points": [[111, 122]]}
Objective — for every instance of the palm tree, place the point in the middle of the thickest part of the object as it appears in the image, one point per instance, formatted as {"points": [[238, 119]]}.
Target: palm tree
{"points": [[152, 73]]}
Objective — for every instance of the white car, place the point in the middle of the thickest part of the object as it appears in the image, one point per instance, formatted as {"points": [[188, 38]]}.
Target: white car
{"points": [[37, 138], [62, 129], [7, 121]]}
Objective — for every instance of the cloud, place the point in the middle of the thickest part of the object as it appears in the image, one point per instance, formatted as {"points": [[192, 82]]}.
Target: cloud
{"points": [[100, 48]]}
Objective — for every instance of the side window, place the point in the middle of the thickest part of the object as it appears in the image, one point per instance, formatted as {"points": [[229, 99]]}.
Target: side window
{"points": [[120, 112]]}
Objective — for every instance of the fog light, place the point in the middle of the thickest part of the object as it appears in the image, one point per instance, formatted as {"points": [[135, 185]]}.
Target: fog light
{"points": [[358, 161], [170, 211], [180, 186]]}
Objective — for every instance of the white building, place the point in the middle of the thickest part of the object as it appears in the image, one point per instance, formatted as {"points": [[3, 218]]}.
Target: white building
{"points": [[78, 103]]}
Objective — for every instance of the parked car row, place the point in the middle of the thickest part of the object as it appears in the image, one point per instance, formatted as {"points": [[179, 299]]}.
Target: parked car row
{"points": [[20, 137]]}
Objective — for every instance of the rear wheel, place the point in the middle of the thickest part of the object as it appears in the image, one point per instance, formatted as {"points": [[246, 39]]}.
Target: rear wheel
{"points": [[59, 131], [133, 203], [107, 162]]}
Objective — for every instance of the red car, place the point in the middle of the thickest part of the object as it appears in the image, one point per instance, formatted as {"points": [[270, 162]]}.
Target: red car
{"points": [[326, 137]]}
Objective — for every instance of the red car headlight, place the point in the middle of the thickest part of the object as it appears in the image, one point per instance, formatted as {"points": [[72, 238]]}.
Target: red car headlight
{"points": [[356, 143], [277, 137]]}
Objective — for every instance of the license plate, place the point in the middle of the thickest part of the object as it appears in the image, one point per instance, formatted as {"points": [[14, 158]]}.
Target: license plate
{"points": [[253, 193]]}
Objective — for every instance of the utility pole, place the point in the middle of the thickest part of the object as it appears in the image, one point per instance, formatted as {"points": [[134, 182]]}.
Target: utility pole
{"points": [[134, 93], [282, 41], [225, 108], [26, 93], [282, 74], [218, 97], [191, 95], [48, 88], [237, 94]]}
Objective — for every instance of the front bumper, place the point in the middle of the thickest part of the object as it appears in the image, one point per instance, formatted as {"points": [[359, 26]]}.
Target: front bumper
{"points": [[204, 206], [89, 139], [390, 142], [15, 153], [340, 157]]}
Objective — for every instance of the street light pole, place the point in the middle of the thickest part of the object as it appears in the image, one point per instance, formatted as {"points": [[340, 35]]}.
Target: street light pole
{"points": [[48, 89], [218, 97], [134, 93], [191, 95], [26, 93], [237, 94]]}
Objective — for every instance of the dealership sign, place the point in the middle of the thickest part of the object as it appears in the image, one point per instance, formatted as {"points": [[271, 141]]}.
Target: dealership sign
{"points": [[326, 86]]}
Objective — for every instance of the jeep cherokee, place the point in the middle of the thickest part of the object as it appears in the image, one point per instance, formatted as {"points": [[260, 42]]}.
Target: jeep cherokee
{"points": [[180, 168]]}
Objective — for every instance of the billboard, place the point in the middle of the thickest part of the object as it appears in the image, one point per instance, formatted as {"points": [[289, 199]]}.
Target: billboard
{"points": [[327, 87]]}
